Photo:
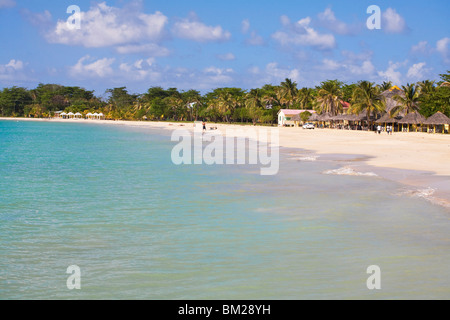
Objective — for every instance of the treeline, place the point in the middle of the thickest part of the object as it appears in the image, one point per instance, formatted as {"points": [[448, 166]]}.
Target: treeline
{"points": [[259, 105]]}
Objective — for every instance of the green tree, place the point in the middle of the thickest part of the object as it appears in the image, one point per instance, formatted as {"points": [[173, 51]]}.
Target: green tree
{"points": [[329, 95], [367, 97], [306, 98], [288, 92], [385, 86], [13, 101], [409, 103]]}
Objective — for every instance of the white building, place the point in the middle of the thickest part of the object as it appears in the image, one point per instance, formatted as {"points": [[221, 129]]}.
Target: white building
{"points": [[285, 116]]}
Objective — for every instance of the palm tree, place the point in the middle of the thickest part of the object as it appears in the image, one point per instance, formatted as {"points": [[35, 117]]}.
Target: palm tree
{"points": [[305, 97], [427, 87], [253, 99], [254, 104], [367, 97], [408, 103], [329, 96], [288, 92], [226, 104], [385, 86]]}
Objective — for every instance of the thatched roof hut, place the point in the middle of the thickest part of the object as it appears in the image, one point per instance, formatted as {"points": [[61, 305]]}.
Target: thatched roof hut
{"points": [[350, 117], [314, 117], [325, 117], [437, 119], [412, 118], [389, 95], [386, 118], [339, 117]]}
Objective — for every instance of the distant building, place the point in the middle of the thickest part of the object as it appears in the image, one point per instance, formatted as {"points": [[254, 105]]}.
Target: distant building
{"points": [[285, 116]]}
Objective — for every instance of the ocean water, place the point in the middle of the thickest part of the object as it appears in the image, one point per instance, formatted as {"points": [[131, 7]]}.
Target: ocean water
{"points": [[108, 199]]}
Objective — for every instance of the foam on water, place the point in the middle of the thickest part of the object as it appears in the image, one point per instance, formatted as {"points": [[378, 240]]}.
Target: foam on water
{"points": [[305, 158], [347, 171], [427, 194]]}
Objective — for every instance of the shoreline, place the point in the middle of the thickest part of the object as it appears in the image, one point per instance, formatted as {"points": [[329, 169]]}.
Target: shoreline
{"points": [[418, 160]]}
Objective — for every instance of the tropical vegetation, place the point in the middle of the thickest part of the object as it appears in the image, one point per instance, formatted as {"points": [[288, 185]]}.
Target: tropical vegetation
{"points": [[230, 105]]}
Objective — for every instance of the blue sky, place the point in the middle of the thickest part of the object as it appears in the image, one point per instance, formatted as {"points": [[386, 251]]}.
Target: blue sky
{"points": [[203, 45]]}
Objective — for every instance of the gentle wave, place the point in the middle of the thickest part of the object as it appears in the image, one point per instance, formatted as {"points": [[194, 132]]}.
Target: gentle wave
{"points": [[427, 194], [346, 171], [310, 158]]}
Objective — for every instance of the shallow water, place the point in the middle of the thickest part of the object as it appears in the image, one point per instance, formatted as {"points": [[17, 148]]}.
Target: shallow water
{"points": [[109, 200]]}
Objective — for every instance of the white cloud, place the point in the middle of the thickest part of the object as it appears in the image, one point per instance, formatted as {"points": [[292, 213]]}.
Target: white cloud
{"points": [[285, 21], [272, 73], [15, 64], [255, 39], [192, 29], [149, 48], [14, 72], [97, 69], [146, 71], [330, 65], [352, 65], [226, 56], [300, 33], [442, 46], [245, 26], [418, 72], [392, 22], [329, 21], [7, 3], [391, 73], [421, 47], [218, 75], [41, 20], [104, 26]]}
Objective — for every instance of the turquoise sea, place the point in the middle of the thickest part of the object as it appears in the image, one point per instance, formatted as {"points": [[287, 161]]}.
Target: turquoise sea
{"points": [[108, 199]]}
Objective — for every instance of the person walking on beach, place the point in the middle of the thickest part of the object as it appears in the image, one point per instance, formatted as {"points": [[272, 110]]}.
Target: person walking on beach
{"points": [[204, 126], [379, 129]]}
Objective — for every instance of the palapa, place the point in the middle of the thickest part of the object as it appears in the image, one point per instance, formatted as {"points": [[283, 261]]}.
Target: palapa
{"points": [[437, 119], [325, 117], [386, 118], [412, 118]]}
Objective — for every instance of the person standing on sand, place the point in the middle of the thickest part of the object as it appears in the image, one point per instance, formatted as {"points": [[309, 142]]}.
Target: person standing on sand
{"points": [[204, 126], [379, 129]]}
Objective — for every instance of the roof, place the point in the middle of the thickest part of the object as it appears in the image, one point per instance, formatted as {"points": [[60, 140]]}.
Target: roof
{"points": [[394, 88], [345, 104], [325, 117], [293, 112], [437, 118], [386, 118], [413, 118]]}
